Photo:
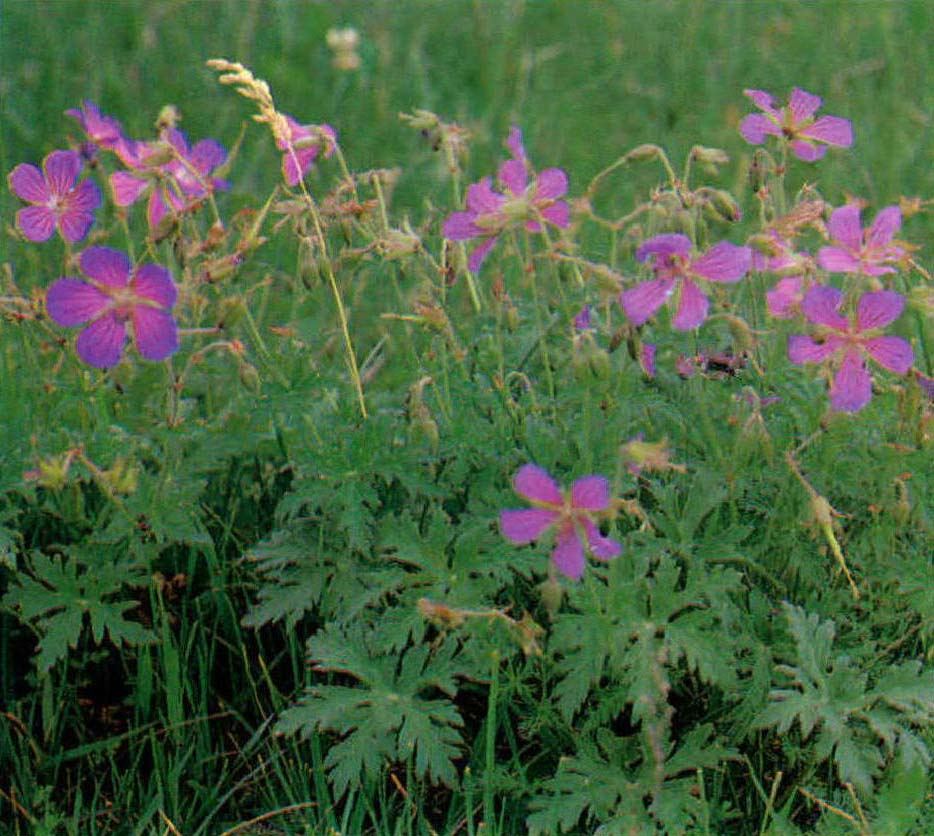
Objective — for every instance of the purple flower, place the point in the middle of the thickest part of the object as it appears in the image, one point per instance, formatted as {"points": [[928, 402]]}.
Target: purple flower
{"points": [[103, 131], [113, 298], [176, 185], [677, 272], [59, 201], [796, 123], [570, 514], [857, 250], [845, 344], [302, 147], [521, 202]]}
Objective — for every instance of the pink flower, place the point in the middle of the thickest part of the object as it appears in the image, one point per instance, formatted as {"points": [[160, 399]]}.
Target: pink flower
{"points": [[59, 200], [677, 272], [176, 185], [570, 514], [647, 359], [103, 131], [520, 203], [845, 344], [113, 298], [301, 149], [796, 123], [857, 250]]}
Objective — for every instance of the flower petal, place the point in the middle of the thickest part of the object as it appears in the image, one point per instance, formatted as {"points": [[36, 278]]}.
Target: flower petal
{"points": [[155, 333], [845, 228], [568, 555], [513, 175], [106, 266], [525, 525], [642, 301], [807, 151], [692, 309], [155, 282], [803, 349], [821, 305], [591, 493], [552, 183], [878, 309], [724, 262], [834, 130], [755, 127], [74, 224], [459, 226], [835, 260], [785, 297], [603, 548], [37, 223], [852, 386], [647, 359], [803, 105], [762, 100], [127, 188], [27, 183], [61, 171], [557, 213], [481, 199], [71, 302], [669, 243], [479, 253], [535, 484], [892, 353], [101, 343], [884, 227], [207, 155], [86, 196], [514, 144]]}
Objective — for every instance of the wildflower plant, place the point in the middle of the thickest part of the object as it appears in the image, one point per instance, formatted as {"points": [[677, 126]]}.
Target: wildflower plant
{"points": [[290, 419]]}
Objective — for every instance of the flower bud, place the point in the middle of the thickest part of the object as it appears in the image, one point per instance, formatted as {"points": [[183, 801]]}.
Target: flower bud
{"points": [[647, 151], [721, 205], [249, 377], [552, 593], [709, 156]]}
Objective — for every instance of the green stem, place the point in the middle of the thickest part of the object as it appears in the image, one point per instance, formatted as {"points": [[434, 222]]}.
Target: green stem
{"points": [[489, 813]]}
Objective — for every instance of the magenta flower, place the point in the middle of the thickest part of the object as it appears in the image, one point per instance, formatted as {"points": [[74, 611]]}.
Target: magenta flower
{"points": [[58, 200], [520, 203], [301, 149], [570, 514], [177, 185], [103, 131], [784, 299], [677, 273], [845, 344], [857, 250], [796, 123], [113, 299]]}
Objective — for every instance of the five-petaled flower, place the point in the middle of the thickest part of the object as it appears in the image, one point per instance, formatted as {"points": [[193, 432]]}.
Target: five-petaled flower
{"points": [[677, 269], [571, 515], [521, 203], [796, 124], [175, 185], [846, 344], [59, 200], [116, 297], [856, 250], [302, 146]]}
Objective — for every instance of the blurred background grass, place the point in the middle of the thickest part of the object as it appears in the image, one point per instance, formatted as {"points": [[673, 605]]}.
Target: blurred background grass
{"points": [[586, 80]]}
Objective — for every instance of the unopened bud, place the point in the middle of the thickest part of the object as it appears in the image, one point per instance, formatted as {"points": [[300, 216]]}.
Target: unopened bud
{"points": [[53, 473], [168, 118], [709, 156], [552, 593], [643, 152], [249, 377], [721, 205]]}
